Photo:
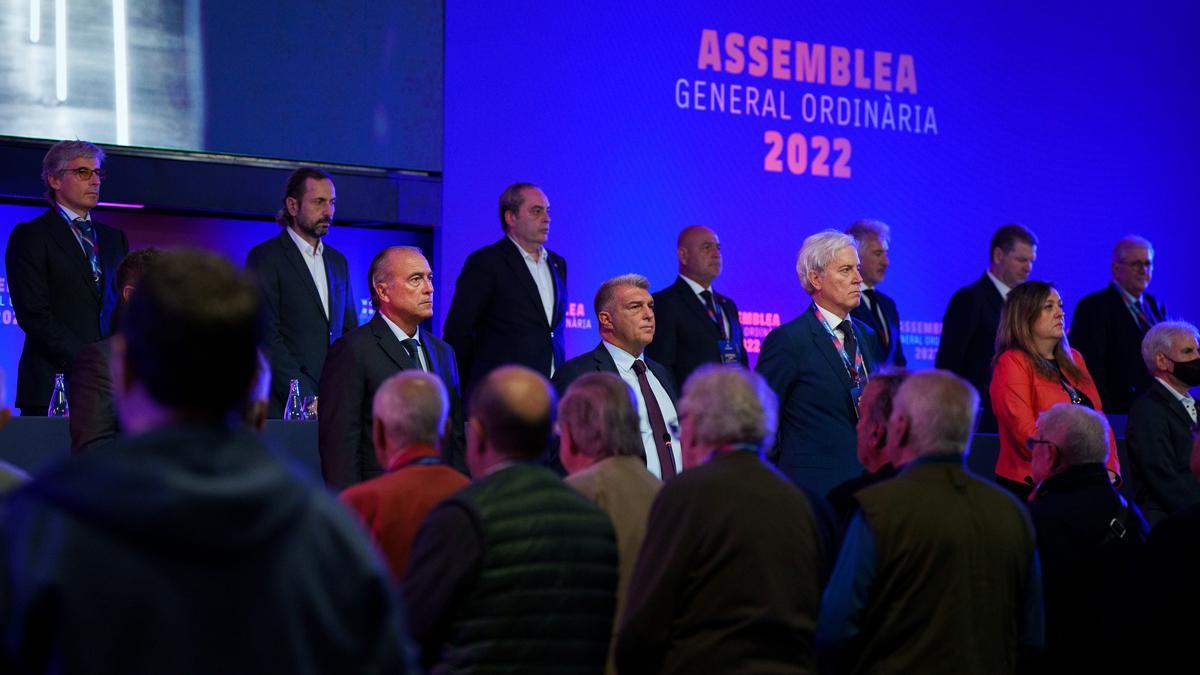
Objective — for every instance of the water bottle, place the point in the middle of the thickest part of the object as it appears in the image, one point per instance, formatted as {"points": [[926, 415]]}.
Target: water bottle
{"points": [[58, 399], [294, 410]]}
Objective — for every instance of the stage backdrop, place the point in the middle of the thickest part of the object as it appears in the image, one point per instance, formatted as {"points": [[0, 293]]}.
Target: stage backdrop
{"points": [[769, 121]]}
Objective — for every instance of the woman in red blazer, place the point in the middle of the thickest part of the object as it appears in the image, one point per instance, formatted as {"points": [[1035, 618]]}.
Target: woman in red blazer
{"points": [[1035, 369]]}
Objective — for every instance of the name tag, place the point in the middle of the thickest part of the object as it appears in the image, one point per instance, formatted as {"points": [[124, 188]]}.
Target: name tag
{"points": [[729, 351]]}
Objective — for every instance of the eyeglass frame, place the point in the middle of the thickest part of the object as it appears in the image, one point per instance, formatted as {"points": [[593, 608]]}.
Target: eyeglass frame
{"points": [[85, 173]]}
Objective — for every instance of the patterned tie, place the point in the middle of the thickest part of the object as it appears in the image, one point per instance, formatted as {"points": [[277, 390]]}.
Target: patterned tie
{"points": [[873, 296], [87, 237], [658, 426], [413, 347], [850, 344], [1144, 318], [714, 313]]}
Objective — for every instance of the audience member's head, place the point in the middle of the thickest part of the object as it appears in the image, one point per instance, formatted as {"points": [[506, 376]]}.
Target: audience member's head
{"points": [[828, 269], [625, 312], [188, 348], [933, 414], [874, 239], [874, 411], [131, 270], [1132, 264], [699, 252], [1012, 253], [725, 407], [410, 408], [71, 173], [512, 413], [1170, 351], [1067, 435], [309, 202], [597, 418]]}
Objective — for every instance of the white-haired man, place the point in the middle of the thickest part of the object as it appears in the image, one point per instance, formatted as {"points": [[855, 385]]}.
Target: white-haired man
{"points": [[729, 577], [877, 309], [1163, 421], [818, 364], [1108, 325], [938, 571]]}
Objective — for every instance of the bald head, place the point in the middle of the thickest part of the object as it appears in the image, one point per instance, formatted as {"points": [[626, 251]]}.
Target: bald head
{"points": [[513, 409], [699, 252]]}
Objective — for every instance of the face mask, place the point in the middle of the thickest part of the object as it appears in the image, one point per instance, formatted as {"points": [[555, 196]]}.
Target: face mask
{"points": [[1188, 372]]}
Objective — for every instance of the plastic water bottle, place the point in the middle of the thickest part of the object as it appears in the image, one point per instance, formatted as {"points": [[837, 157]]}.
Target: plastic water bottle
{"points": [[294, 410], [58, 399]]}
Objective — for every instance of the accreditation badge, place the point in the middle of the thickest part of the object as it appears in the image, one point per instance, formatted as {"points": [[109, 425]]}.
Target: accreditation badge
{"points": [[729, 351]]}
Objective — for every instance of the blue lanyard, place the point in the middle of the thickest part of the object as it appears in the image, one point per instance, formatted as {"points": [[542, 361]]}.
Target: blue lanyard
{"points": [[858, 369]]}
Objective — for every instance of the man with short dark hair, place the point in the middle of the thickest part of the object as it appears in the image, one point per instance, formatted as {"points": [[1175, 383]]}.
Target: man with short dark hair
{"points": [[510, 298], [972, 317], [306, 283], [402, 292], [61, 270], [1108, 325], [190, 530], [877, 309], [695, 324], [517, 572], [625, 311], [93, 422]]}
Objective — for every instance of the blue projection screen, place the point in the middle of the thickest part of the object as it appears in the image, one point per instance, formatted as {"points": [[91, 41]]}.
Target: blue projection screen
{"points": [[769, 121]]}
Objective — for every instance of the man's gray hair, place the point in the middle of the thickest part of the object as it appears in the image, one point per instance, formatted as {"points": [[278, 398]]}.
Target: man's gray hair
{"points": [[818, 251], [1080, 433], [869, 229], [941, 409], [599, 412], [1130, 241], [60, 155], [608, 289], [379, 271], [413, 406], [1161, 338], [730, 404]]}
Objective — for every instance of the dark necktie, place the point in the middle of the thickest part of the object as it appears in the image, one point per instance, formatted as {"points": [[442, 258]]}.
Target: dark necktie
{"points": [[873, 296], [412, 347], [713, 312], [658, 426], [1144, 318], [87, 237], [851, 346]]}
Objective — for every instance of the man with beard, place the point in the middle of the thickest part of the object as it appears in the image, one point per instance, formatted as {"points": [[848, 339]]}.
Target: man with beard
{"points": [[306, 285]]}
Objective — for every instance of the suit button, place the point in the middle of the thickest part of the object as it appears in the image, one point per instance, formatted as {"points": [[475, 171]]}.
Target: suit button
{"points": [[551, 334]]}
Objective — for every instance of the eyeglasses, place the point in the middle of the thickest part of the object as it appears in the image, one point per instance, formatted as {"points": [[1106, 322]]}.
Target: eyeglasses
{"points": [[1032, 443], [85, 173], [1138, 264]]}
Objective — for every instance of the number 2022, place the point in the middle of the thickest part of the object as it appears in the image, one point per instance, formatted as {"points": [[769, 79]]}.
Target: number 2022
{"points": [[796, 156]]}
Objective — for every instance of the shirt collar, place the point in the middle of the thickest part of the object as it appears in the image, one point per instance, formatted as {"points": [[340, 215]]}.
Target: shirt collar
{"points": [[830, 318], [622, 358], [1173, 391], [304, 246], [399, 332], [525, 254], [1000, 285], [71, 215], [696, 288]]}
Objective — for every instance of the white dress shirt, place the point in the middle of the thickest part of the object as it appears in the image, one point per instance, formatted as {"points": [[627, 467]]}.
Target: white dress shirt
{"points": [[624, 361], [834, 321], [402, 336], [540, 270], [1000, 285], [71, 216], [697, 288], [314, 258], [1189, 403]]}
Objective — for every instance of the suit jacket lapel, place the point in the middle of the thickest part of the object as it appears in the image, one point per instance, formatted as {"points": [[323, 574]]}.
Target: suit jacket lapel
{"points": [[64, 236], [696, 306], [516, 263], [735, 332], [603, 360], [560, 284], [1173, 404], [293, 256], [389, 344], [824, 345]]}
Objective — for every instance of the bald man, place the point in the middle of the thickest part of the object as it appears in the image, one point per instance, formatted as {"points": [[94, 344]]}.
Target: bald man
{"points": [[696, 325], [552, 565]]}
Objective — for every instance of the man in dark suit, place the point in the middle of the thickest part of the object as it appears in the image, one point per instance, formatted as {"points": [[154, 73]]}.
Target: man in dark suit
{"points": [[510, 298], [1109, 325], [93, 420], [359, 362], [722, 541], [625, 312], [969, 326], [62, 272], [695, 324], [1163, 422], [818, 364], [877, 310], [306, 283]]}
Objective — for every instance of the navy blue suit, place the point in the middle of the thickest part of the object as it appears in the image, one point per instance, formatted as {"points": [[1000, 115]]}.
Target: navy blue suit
{"points": [[816, 445], [685, 337], [894, 355]]}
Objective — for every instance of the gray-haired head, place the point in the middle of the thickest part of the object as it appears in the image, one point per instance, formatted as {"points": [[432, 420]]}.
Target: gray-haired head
{"points": [[63, 153], [817, 252], [599, 413], [1128, 242], [940, 407], [729, 404], [1080, 433], [869, 229], [1161, 338], [412, 405], [607, 290]]}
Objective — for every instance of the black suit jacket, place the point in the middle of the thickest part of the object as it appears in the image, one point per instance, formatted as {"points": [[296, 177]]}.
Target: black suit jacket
{"points": [[1159, 436], [298, 334], [600, 361], [56, 301], [358, 363], [685, 338], [496, 316], [816, 445], [969, 341], [895, 350], [1110, 340], [93, 420]]}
